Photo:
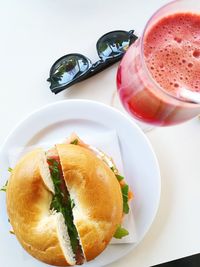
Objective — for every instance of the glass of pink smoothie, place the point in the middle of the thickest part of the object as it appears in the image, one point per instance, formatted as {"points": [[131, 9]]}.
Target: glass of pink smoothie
{"points": [[161, 64]]}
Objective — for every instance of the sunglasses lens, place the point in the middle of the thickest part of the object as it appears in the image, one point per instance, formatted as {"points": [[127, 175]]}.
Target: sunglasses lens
{"points": [[113, 44], [67, 69]]}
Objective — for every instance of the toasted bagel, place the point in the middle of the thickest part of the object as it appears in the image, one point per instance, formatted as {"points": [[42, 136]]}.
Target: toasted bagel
{"points": [[38, 230], [97, 196], [94, 190]]}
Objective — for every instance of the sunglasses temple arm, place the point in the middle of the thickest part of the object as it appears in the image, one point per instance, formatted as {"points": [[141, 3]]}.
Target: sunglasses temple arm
{"points": [[60, 89], [100, 66]]}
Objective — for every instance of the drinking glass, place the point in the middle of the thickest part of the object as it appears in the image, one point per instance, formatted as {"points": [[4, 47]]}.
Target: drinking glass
{"points": [[139, 93]]}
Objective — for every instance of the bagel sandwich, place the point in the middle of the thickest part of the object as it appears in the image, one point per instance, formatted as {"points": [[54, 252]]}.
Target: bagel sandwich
{"points": [[66, 204]]}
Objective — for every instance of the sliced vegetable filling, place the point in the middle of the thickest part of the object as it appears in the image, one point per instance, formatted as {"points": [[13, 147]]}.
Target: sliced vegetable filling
{"points": [[126, 196], [125, 190], [61, 202], [126, 193]]}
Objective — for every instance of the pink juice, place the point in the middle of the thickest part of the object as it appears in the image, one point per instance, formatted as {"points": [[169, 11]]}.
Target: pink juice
{"points": [[149, 83]]}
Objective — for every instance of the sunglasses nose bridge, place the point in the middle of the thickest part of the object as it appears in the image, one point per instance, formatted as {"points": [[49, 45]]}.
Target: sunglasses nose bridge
{"points": [[97, 64]]}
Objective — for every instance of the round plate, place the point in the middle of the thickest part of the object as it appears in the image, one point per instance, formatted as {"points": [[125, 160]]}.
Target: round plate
{"points": [[58, 120]]}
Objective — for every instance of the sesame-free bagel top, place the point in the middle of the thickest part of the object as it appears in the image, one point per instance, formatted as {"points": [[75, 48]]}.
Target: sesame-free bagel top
{"points": [[94, 190]]}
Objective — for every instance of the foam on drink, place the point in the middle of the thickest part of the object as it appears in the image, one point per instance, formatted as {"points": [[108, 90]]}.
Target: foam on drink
{"points": [[172, 52]]}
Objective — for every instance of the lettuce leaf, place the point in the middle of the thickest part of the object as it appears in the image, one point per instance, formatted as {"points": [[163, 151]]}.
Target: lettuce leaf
{"points": [[75, 142], [120, 232], [62, 204], [119, 177], [10, 169], [125, 190], [4, 187]]}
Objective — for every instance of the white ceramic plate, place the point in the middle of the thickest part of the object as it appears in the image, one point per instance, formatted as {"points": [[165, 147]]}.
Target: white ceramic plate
{"points": [[59, 120]]}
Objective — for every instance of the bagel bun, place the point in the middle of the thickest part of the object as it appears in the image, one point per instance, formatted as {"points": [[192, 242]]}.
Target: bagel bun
{"points": [[90, 186], [43, 234], [97, 196]]}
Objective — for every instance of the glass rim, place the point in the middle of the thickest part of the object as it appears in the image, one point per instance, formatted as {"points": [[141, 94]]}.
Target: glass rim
{"points": [[144, 66]]}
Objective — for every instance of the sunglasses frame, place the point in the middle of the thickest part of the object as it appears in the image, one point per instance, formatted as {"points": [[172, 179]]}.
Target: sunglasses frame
{"points": [[93, 68]]}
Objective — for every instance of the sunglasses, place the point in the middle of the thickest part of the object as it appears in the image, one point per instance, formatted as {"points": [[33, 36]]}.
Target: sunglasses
{"points": [[74, 68]]}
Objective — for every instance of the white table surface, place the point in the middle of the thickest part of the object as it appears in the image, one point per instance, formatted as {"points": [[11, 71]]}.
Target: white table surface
{"points": [[33, 34]]}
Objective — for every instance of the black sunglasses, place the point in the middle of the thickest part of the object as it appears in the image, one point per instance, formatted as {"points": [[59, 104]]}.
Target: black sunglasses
{"points": [[73, 68]]}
